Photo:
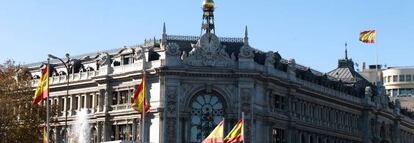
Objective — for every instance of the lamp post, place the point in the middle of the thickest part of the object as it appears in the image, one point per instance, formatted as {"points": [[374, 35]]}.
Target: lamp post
{"points": [[67, 91]]}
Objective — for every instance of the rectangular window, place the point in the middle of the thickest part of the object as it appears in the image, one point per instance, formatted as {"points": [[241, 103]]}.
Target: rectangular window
{"points": [[76, 103], [127, 59], [124, 97], [408, 78], [395, 92], [402, 78], [278, 136], [114, 98], [395, 78], [389, 78], [279, 102], [68, 103], [83, 102], [89, 104], [61, 104]]}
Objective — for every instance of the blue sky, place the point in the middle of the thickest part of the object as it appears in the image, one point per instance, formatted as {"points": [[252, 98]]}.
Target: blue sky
{"points": [[312, 32]]}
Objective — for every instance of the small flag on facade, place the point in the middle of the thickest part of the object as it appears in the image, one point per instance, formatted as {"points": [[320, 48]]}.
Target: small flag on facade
{"points": [[139, 100], [367, 36], [236, 134], [216, 136], [41, 92]]}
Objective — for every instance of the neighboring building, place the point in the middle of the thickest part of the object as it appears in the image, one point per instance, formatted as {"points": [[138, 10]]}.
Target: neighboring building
{"points": [[193, 82], [398, 82], [372, 73]]}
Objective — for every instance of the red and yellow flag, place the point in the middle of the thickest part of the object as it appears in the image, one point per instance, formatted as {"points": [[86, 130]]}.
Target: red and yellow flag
{"points": [[236, 134], [41, 92], [216, 136], [367, 36], [139, 100], [44, 135]]}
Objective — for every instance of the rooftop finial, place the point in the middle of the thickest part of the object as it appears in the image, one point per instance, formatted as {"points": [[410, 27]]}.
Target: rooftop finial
{"points": [[246, 36], [208, 4], [208, 16], [163, 35], [346, 50], [164, 30]]}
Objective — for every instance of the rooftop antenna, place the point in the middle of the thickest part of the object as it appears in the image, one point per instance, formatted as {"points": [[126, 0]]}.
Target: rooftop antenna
{"points": [[346, 51]]}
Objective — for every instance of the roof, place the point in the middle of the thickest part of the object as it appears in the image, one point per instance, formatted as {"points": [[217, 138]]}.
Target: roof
{"points": [[346, 72]]}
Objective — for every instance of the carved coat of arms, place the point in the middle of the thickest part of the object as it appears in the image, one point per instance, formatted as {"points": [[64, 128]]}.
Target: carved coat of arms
{"points": [[208, 52]]}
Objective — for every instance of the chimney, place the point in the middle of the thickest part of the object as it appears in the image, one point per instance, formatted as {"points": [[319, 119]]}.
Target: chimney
{"points": [[363, 66]]}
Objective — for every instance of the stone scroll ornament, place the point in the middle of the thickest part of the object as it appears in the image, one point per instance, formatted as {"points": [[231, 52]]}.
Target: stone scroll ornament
{"points": [[208, 52]]}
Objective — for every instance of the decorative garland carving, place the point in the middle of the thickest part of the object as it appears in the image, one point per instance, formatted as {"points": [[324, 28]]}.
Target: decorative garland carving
{"points": [[246, 108], [171, 114]]}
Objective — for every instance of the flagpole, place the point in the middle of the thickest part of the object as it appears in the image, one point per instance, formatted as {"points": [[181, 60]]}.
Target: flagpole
{"points": [[376, 67], [143, 104], [47, 101], [243, 125]]}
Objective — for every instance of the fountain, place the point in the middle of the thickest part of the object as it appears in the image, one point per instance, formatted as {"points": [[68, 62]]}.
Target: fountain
{"points": [[80, 130]]}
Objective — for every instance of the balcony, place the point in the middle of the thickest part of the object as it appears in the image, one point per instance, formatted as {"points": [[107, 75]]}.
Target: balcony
{"points": [[121, 106]]}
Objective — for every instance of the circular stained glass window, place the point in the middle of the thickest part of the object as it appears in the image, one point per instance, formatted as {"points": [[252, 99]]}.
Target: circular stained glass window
{"points": [[206, 112]]}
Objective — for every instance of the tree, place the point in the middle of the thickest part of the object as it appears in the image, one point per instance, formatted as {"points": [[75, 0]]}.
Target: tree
{"points": [[20, 120]]}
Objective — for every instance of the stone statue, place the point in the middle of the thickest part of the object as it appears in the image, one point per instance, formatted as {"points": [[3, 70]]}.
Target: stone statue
{"points": [[104, 59]]}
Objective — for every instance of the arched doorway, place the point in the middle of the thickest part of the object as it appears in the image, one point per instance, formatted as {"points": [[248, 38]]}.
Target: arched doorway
{"points": [[207, 110]]}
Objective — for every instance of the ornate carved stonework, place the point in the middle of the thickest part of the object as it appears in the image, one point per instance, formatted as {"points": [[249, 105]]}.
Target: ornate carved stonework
{"points": [[246, 108], [208, 52], [173, 49], [270, 58], [171, 114], [138, 54], [104, 59], [246, 52]]}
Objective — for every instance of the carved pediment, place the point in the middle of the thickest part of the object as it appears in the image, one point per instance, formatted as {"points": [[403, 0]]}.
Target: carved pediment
{"points": [[208, 52]]}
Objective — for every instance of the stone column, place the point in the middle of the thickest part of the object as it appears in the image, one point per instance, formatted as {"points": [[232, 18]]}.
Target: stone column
{"points": [[93, 106], [99, 131], [171, 114], [116, 132], [72, 104], [79, 102], [246, 101], [101, 99], [85, 101], [107, 130]]}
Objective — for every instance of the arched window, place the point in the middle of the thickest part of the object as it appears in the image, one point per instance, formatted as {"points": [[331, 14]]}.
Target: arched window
{"points": [[207, 110]]}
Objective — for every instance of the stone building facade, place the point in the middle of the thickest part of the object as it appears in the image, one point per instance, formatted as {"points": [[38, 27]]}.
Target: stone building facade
{"points": [[194, 82]]}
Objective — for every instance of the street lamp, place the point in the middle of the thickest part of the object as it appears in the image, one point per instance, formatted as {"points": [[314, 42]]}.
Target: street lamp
{"points": [[67, 90]]}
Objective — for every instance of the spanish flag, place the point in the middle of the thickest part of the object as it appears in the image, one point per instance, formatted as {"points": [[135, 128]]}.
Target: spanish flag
{"points": [[139, 100], [367, 36], [236, 134], [44, 135], [216, 136], [41, 92]]}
